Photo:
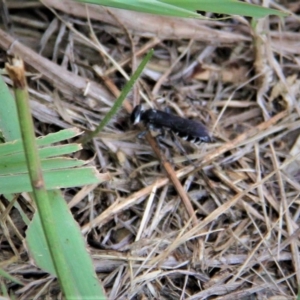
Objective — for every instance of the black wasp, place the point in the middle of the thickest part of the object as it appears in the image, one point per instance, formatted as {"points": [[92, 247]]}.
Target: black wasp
{"points": [[188, 130]]}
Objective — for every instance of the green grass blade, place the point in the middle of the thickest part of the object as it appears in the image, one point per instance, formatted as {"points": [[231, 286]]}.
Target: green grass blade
{"points": [[189, 8], [81, 270], [9, 124], [151, 7], [47, 164], [229, 7], [42, 198], [16, 146], [9, 277], [54, 179], [126, 89]]}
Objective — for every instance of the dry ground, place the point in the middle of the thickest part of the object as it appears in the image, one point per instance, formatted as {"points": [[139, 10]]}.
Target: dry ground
{"points": [[146, 242]]}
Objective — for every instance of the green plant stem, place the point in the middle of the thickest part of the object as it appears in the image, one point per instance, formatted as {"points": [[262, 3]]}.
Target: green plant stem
{"points": [[40, 194], [126, 89]]}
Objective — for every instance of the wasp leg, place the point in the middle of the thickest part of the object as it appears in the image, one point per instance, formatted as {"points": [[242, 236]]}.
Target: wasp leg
{"points": [[151, 127], [180, 148], [167, 110], [160, 139], [142, 134]]}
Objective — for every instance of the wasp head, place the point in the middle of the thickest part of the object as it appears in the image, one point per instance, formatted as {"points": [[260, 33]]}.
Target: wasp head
{"points": [[136, 114]]}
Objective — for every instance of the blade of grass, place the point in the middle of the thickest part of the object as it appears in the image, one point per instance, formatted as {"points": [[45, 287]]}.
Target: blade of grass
{"points": [[189, 8], [40, 194], [78, 261], [54, 179], [230, 7], [9, 125], [47, 164], [126, 89], [15, 145], [9, 277], [151, 7]]}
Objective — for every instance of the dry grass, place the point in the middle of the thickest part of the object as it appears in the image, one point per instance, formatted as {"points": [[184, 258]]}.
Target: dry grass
{"points": [[163, 229]]}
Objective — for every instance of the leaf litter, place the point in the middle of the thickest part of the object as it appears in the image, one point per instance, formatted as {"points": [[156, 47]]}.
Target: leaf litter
{"points": [[229, 227]]}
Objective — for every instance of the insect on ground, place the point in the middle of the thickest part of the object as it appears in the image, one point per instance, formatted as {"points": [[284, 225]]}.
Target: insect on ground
{"points": [[189, 130]]}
